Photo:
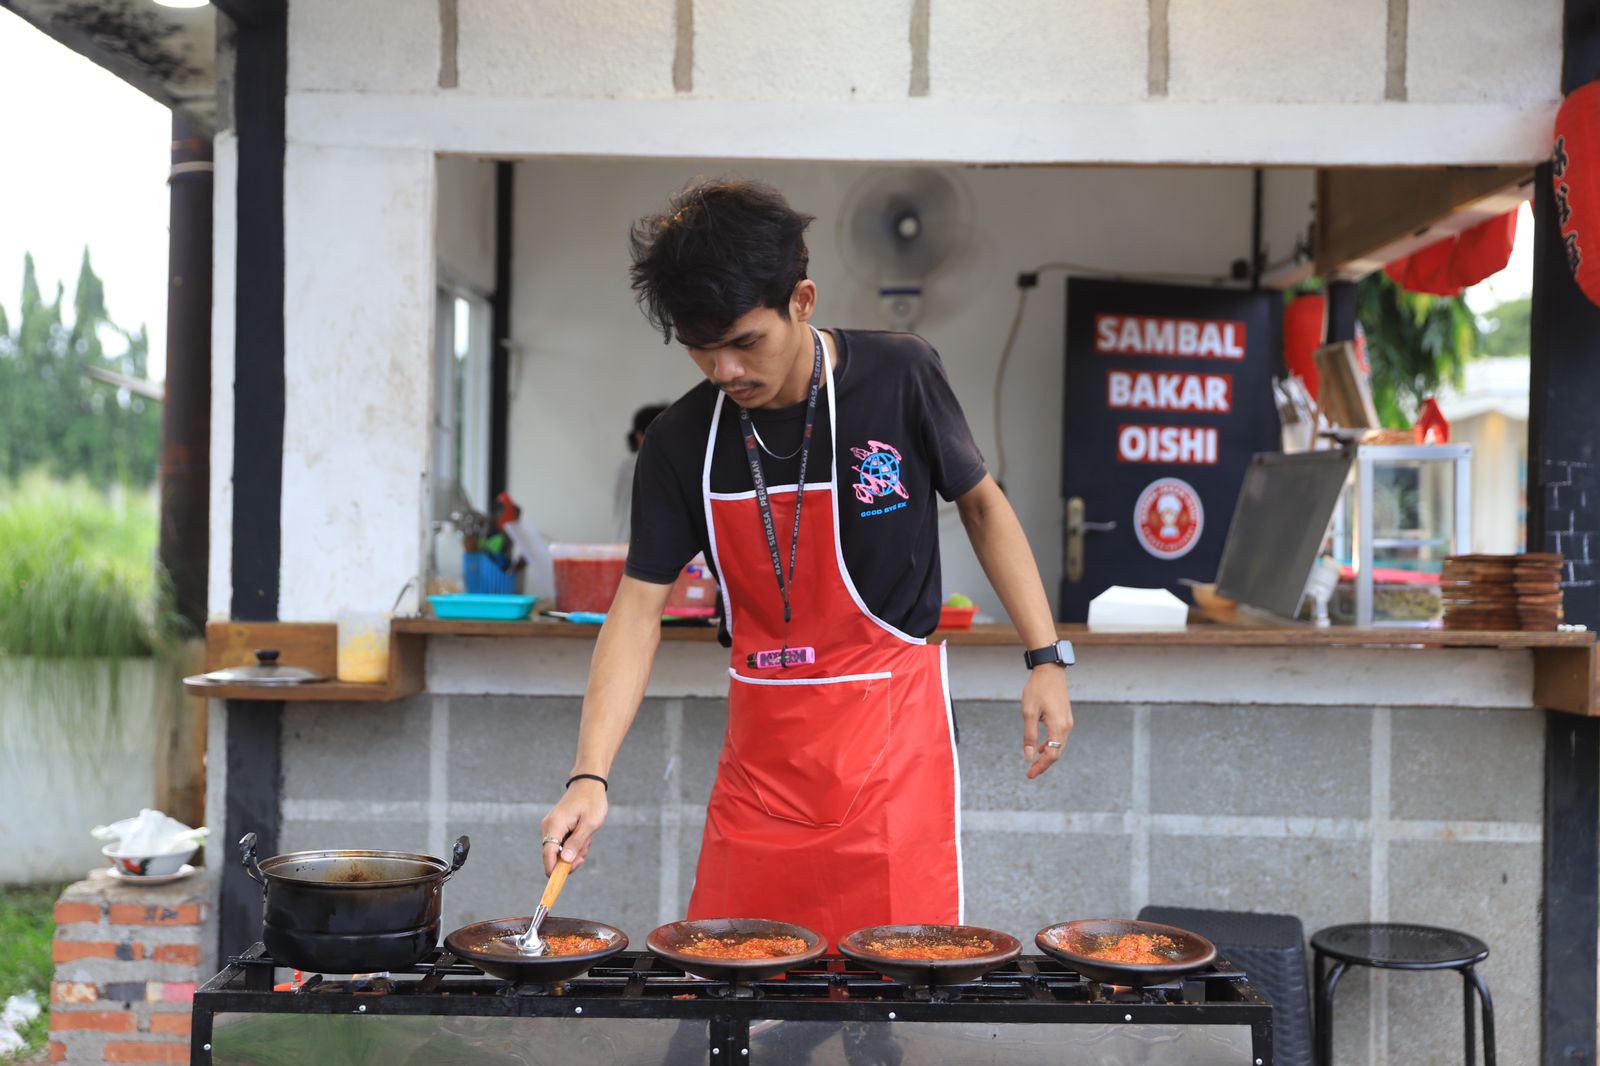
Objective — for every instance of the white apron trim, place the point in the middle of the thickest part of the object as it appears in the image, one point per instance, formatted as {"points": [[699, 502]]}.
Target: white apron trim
{"points": [[707, 496], [955, 769], [711, 526], [774, 490], [841, 679], [838, 540]]}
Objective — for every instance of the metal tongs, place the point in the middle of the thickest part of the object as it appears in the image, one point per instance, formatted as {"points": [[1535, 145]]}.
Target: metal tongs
{"points": [[529, 943]]}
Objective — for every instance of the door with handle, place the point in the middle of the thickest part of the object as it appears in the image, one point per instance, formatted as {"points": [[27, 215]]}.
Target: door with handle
{"points": [[1168, 395], [1077, 526]]}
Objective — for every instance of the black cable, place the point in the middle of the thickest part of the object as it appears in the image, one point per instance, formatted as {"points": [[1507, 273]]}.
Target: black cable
{"points": [[1028, 280]]}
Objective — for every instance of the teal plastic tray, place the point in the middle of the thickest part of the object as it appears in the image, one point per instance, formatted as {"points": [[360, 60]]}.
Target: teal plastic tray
{"points": [[483, 606]]}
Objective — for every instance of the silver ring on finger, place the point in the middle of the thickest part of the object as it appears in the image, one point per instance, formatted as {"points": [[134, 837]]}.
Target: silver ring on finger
{"points": [[550, 840], [1057, 744]]}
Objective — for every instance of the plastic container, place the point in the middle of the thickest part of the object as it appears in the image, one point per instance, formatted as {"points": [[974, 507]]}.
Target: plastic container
{"points": [[363, 651], [956, 617], [587, 575], [480, 575], [468, 606], [695, 591]]}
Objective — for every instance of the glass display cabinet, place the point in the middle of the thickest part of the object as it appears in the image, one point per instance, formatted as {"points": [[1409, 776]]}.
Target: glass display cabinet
{"points": [[1405, 508]]}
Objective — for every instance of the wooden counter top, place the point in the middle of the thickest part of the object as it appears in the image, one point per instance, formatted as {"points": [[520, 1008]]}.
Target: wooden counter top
{"points": [[1002, 635], [1566, 665]]}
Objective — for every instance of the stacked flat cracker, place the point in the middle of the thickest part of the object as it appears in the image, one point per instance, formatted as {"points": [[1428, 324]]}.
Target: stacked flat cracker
{"points": [[1502, 591]]}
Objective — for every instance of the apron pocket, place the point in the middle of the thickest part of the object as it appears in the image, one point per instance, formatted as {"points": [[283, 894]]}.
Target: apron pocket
{"points": [[809, 746]]}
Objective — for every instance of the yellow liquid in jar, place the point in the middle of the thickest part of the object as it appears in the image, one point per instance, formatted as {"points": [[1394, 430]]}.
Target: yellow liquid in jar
{"points": [[364, 658]]}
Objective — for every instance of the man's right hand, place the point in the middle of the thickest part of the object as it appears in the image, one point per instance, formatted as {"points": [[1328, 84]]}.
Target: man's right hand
{"points": [[574, 821]]}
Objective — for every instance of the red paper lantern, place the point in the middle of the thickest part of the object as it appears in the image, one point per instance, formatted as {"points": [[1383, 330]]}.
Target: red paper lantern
{"points": [[1305, 323], [1450, 264], [1575, 170]]}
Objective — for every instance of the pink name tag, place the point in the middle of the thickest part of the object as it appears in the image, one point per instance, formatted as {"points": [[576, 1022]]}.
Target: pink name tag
{"points": [[765, 660]]}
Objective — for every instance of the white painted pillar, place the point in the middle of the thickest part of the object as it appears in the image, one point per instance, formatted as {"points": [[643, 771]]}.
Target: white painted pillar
{"points": [[358, 337]]}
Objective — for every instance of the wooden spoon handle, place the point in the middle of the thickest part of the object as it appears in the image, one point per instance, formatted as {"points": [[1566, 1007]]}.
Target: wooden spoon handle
{"points": [[558, 878]]}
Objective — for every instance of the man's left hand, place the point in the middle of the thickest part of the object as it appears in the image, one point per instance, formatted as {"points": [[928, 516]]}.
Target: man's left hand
{"points": [[1046, 718]]}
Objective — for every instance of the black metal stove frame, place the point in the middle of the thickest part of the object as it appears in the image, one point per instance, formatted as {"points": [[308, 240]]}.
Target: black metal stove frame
{"points": [[1034, 989]]}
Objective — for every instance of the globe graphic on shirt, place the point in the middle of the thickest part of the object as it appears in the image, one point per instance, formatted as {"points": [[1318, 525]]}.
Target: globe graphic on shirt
{"points": [[880, 472]]}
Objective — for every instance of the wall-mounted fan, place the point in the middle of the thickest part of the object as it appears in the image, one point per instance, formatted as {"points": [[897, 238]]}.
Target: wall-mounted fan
{"points": [[898, 229]]}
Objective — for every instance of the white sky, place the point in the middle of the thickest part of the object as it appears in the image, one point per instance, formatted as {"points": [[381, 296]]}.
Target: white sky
{"points": [[86, 160], [1516, 280]]}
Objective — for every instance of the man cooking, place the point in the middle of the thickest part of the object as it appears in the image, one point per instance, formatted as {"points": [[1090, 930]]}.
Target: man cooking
{"points": [[804, 466]]}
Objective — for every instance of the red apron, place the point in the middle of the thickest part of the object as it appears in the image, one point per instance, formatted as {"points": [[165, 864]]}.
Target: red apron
{"points": [[837, 800]]}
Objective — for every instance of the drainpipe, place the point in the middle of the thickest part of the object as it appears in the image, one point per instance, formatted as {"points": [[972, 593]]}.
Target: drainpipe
{"points": [[186, 411]]}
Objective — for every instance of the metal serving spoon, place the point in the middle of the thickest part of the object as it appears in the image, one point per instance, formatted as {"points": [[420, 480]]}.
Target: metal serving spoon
{"points": [[529, 943]]}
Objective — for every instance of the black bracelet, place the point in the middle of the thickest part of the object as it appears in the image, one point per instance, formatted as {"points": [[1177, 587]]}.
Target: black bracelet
{"points": [[591, 777]]}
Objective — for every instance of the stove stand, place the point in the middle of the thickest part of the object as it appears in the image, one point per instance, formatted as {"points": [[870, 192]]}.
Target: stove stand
{"points": [[638, 1009]]}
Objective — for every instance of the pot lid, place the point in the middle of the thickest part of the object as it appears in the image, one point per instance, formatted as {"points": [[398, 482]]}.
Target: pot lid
{"points": [[266, 670]]}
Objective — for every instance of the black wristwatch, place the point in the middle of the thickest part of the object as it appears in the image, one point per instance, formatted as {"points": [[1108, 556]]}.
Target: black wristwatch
{"points": [[1060, 652]]}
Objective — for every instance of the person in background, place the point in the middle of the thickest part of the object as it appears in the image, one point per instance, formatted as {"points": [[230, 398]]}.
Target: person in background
{"points": [[622, 491]]}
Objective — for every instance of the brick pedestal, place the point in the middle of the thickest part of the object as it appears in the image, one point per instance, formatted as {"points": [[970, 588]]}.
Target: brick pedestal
{"points": [[128, 958]]}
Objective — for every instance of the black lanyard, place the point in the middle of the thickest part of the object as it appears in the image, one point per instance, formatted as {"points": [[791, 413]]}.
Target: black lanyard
{"points": [[765, 506]]}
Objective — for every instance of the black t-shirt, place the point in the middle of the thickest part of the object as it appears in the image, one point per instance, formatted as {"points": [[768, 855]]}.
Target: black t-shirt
{"points": [[902, 437]]}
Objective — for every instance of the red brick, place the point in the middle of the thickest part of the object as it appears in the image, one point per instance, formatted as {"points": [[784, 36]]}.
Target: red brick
{"points": [[58, 1051], [74, 992], [73, 950], [177, 992], [101, 1021], [187, 954], [73, 913], [152, 914], [124, 1051], [170, 1024]]}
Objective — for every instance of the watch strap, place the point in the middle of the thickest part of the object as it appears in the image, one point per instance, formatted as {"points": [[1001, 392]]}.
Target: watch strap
{"points": [[1060, 652]]}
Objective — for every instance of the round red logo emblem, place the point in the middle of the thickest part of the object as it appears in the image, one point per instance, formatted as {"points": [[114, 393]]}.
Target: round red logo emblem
{"points": [[1168, 518]]}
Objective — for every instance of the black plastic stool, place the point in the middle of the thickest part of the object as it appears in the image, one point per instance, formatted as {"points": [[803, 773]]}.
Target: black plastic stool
{"points": [[1271, 950], [1400, 947]]}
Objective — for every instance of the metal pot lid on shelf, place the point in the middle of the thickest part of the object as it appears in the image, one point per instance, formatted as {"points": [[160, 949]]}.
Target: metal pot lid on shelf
{"points": [[266, 670]]}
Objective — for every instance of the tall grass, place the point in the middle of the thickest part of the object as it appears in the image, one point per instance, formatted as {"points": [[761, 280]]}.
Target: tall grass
{"points": [[80, 594], [26, 931], [77, 572]]}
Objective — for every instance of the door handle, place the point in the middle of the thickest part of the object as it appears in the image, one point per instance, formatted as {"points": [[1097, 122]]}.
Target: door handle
{"points": [[1077, 526]]}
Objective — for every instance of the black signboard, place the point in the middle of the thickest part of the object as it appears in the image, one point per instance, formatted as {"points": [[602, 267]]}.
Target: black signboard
{"points": [[1168, 395]]}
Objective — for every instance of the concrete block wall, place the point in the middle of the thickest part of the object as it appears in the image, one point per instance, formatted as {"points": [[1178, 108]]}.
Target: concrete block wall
{"points": [[1335, 813], [1113, 51], [378, 89], [128, 958]]}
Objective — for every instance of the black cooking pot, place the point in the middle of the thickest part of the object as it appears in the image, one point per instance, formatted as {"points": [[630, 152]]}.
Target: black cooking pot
{"points": [[350, 911]]}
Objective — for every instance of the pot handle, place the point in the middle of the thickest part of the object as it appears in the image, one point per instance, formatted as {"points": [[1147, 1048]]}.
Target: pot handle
{"points": [[458, 855], [247, 858]]}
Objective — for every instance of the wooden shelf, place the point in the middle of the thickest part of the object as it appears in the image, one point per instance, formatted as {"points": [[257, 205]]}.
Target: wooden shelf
{"points": [[1566, 665], [313, 646], [334, 691], [1001, 635]]}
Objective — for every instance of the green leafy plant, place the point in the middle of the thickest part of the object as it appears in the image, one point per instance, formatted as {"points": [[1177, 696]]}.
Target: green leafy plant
{"points": [[1507, 328], [53, 414], [1415, 343]]}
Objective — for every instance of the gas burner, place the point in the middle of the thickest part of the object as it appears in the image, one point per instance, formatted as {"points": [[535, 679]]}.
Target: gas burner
{"points": [[732, 990], [530, 988], [1217, 1004]]}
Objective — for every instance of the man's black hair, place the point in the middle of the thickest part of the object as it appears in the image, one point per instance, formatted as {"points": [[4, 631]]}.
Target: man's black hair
{"points": [[721, 249]]}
